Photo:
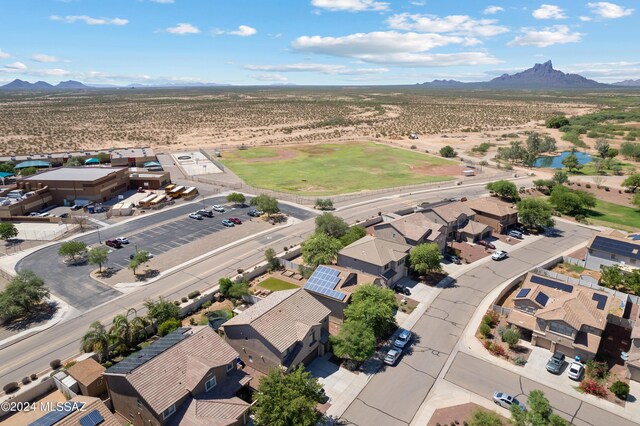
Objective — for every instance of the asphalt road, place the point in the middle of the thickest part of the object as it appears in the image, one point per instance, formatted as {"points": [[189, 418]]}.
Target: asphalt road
{"points": [[394, 395], [155, 233], [483, 378], [62, 341]]}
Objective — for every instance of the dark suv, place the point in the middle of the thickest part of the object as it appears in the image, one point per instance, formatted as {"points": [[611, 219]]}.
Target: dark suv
{"points": [[206, 213], [555, 363], [113, 243]]}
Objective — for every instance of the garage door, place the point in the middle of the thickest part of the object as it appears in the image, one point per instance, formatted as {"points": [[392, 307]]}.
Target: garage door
{"points": [[569, 352], [543, 343]]}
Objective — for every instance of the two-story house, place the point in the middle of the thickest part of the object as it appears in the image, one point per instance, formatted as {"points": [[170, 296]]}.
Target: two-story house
{"points": [[498, 214], [459, 221], [412, 229], [285, 329], [188, 377], [377, 257], [560, 316], [608, 250]]}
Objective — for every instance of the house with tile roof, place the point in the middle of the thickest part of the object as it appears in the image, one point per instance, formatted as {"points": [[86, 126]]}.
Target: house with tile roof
{"points": [[459, 221], [612, 249], [285, 329], [412, 229], [561, 317], [188, 377], [79, 410], [494, 212], [377, 257]]}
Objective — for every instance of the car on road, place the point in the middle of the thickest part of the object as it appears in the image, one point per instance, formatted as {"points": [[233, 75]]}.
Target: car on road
{"points": [[195, 216], [555, 363], [255, 213], [505, 401], [228, 223], [392, 356], [235, 220], [122, 240], [402, 290], [487, 244], [218, 208], [205, 213], [575, 370], [453, 259], [114, 243], [499, 255], [403, 339], [515, 233]]}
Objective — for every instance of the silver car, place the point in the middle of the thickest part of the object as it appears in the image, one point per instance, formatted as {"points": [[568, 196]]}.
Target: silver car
{"points": [[392, 356], [506, 401]]}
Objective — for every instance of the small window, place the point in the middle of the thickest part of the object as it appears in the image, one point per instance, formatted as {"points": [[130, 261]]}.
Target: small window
{"points": [[230, 366], [169, 411], [312, 339], [210, 384]]}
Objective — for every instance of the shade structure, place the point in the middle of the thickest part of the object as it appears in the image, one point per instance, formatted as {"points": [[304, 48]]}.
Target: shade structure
{"points": [[32, 163], [92, 161], [152, 164]]}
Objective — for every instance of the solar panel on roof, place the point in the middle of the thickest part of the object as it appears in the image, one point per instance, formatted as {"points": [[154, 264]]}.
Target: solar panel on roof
{"points": [[92, 419], [622, 248], [53, 417], [542, 299], [523, 292], [547, 282], [324, 281], [601, 300]]}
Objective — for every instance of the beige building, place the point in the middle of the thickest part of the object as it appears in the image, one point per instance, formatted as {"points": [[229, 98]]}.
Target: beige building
{"points": [[29, 201], [88, 375], [412, 229], [459, 221], [131, 157], [498, 214], [285, 329], [561, 316], [188, 377]]}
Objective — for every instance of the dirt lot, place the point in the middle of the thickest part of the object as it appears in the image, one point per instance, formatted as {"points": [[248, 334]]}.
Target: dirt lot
{"points": [[459, 413]]}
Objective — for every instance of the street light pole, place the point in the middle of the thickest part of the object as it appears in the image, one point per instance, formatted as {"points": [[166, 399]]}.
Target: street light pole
{"points": [[98, 229], [203, 206]]}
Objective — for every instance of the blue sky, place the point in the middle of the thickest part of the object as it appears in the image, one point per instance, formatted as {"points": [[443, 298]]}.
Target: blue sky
{"points": [[343, 42]]}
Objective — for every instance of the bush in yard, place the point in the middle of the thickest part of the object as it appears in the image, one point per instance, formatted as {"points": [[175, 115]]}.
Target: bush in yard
{"points": [[177, 302], [206, 304], [519, 360], [168, 326], [498, 350], [480, 417], [593, 387], [184, 299], [34, 376], [485, 330], [55, 364], [26, 380], [448, 151], [620, 389], [193, 294], [596, 369], [11, 387], [487, 344], [511, 337]]}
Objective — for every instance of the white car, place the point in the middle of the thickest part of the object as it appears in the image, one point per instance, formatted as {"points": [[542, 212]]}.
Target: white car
{"points": [[575, 370], [403, 339], [218, 208], [195, 216], [392, 356], [505, 401], [499, 255], [122, 240]]}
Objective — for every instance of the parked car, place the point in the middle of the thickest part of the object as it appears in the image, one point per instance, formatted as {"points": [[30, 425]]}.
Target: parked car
{"points": [[34, 214], [255, 213], [505, 401], [555, 363], [403, 339], [76, 207], [392, 356], [228, 223], [575, 370], [218, 208], [100, 209], [195, 216], [122, 240], [141, 190], [516, 234], [235, 220], [453, 259], [402, 290], [113, 243], [205, 213], [487, 244], [64, 215], [499, 255]]}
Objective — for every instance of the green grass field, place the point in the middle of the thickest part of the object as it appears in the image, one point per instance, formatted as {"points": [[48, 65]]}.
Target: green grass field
{"points": [[335, 168], [615, 216], [275, 284]]}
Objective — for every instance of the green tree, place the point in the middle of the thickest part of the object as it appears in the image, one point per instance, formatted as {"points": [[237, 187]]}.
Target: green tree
{"points": [[28, 171], [482, 417], [425, 258], [73, 249], [324, 204], [503, 188], [75, 162], [224, 284], [128, 329], [556, 121], [612, 153], [448, 151], [8, 231], [540, 412], [536, 143], [602, 146], [612, 277], [511, 337], [571, 162], [320, 249], [97, 340], [168, 326], [632, 182], [535, 213], [237, 290], [571, 202], [161, 310], [103, 157], [23, 292], [353, 234], [560, 177], [7, 168], [272, 260], [287, 399], [236, 198], [636, 199], [375, 306], [265, 203], [331, 225], [355, 341], [140, 258], [98, 256]]}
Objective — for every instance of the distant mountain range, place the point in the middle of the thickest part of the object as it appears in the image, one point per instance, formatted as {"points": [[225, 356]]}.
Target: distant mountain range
{"points": [[628, 83], [21, 85], [541, 76]]}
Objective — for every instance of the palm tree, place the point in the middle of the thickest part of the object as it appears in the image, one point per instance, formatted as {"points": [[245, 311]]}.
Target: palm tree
{"points": [[96, 340], [128, 332]]}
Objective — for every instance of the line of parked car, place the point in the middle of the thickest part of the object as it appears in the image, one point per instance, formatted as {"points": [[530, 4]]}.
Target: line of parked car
{"points": [[230, 222], [556, 362], [399, 345]]}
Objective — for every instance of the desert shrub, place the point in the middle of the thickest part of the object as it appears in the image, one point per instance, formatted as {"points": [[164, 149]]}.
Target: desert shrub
{"points": [[414, 147], [240, 271], [485, 330], [596, 369], [487, 344], [168, 326], [194, 294], [448, 151], [55, 364], [26, 380], [620, 389], [519, 360], [34, 376], [184, 299], [69, 364], [580, 218], [206, 304], [177, 302], [484, 163], [501, 330], [107, 364], [498, 350], [192, 321], [487, 320], [588, 186], [11, 387], [511, 337], [592, 387]]}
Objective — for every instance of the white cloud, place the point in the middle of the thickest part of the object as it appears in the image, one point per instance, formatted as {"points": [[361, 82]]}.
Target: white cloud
{"points": [[350, 5], [321, 68], [243, 31], [41, 57], [492, 10], [549, 11], [269, 77], [163, 1], [557, 34], [57, 72], [89, 20], [393, 48], [16, 66], [183, 28], [608, 10], [418, 3], [585, 18], [4, 55], [454, 24]]}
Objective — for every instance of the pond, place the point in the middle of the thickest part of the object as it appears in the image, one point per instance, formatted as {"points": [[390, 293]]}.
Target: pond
{"points": [[555, 162]]}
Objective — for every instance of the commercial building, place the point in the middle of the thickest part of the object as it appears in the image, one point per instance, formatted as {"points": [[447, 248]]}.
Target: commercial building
{"points": [[119, 157], [132, 157]]}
